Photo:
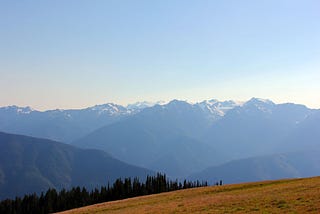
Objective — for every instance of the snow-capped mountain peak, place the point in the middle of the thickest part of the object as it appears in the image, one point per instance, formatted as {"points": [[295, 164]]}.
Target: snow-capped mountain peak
{"points": [[19, 110], [262, 105], [259, 101], [217, 108], [143, 104], [108, 108]]}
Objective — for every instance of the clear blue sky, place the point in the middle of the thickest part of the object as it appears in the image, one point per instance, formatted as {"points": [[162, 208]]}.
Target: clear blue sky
{"points": [[74, 54]]}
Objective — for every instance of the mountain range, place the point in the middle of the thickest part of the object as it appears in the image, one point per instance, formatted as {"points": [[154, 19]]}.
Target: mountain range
{"points": [[163, 138], [60, 125], [205, 140], [67, 125], [181, 138]]}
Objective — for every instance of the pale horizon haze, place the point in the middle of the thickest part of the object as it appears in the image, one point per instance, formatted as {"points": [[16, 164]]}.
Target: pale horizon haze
{"points": [[76, 54]]}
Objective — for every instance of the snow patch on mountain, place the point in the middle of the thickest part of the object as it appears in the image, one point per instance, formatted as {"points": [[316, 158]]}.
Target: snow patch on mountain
{"points": [[263, 105], [19, 110], [109, 109], [144, 104], [217, 108]]}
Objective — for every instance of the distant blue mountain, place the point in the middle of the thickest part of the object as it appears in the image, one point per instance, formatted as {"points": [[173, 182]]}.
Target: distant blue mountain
{"points": [[178, 138], [181, 138], [60, 125], [258, 127], [279, 166], [29, 165], [160, 138], [70, 125]]}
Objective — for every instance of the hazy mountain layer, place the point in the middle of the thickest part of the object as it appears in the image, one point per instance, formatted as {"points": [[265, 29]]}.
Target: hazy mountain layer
{"points": [[60, 125], [30, 165], [161, 138], [290, 165], [259, 127], [69, 125], [178, 138], [181, 138]]}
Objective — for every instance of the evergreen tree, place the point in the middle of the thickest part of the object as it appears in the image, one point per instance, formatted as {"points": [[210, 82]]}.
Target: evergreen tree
{"points": [[52, 201]]}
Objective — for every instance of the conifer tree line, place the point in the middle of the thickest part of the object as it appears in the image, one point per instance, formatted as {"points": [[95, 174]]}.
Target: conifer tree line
{"points": [[54, 201]]}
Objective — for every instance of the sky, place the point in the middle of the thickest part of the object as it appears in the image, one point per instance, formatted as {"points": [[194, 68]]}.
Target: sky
{"points": [[75, 54]]}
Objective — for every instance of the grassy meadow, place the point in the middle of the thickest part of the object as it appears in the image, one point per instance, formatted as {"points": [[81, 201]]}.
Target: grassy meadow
{"points": [[280, 196]]}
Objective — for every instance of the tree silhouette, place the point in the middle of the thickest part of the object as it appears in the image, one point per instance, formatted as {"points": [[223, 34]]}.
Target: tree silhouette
{"points": [[53, 201]]}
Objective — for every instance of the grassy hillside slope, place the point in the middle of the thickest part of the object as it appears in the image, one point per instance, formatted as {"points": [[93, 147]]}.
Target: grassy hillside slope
{"points": [[280, 196]]}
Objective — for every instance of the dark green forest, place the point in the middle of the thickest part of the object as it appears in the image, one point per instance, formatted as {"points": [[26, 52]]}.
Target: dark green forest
{"points": [[55, 201]]}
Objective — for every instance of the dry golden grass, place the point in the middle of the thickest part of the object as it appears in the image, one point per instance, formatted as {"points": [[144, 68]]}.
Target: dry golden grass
{"points": [[281, 196]]}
